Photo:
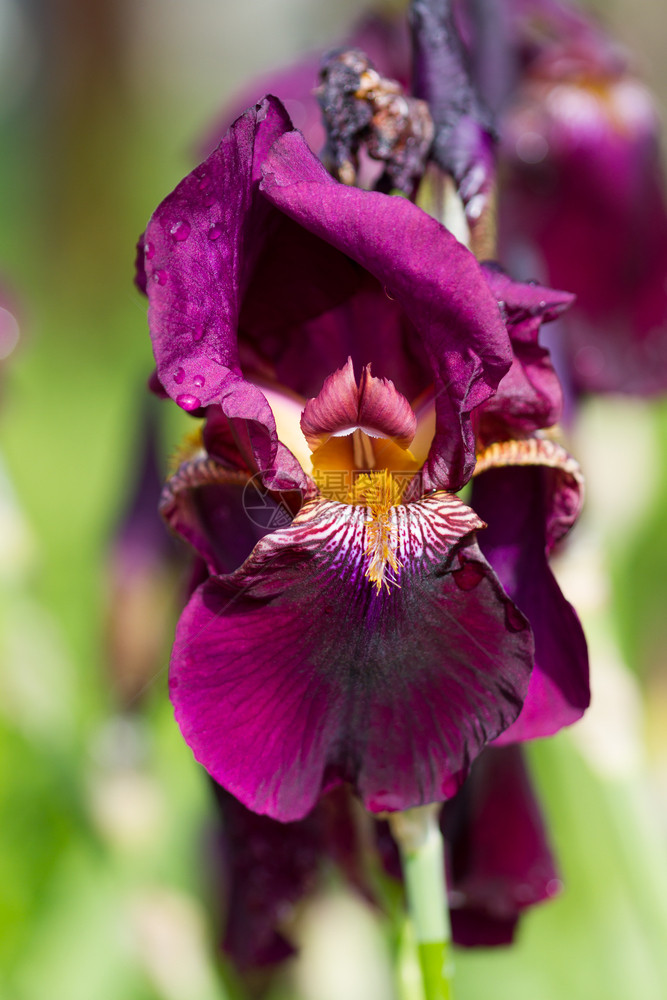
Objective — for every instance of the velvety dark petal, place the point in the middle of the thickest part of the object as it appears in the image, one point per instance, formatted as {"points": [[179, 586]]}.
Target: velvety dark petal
{"points": [[266, 868], [529, 397], [374, 406], [205, 504], [298, 671], [499, 853], [435, 281], [563, 494], [515, 502], [498, 856], [360, 321]]}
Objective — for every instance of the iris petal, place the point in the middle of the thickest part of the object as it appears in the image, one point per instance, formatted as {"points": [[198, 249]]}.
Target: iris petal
{"points": [[295, 672], [434, 281], [516, 503]]}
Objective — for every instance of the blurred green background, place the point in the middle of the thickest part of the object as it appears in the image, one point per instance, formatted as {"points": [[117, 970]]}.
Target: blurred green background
{"points": [[104, 813]]}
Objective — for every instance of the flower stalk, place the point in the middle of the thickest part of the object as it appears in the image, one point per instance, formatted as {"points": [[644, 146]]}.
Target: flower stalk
{"points": [[421, 845]]}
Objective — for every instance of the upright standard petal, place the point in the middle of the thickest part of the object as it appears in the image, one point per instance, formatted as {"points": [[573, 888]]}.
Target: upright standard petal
{"points": [[198, 250], [435, 281], [297, 671]]}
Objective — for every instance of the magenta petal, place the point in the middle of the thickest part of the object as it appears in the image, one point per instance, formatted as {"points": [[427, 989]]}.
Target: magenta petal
{"points": [[529, 396], [217, 511], [199, 247], [295, 671], [265, 868], [500, 858], [435, 281], [516, 503]]}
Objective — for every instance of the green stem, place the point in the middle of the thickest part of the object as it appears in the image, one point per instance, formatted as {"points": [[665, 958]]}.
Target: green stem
{"points": [[417, 833]]}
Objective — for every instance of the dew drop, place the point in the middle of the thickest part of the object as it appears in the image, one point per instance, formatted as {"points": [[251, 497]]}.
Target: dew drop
{"points": [[179, 375], [149, 251], [468, 576], [209, 200], [513, 618], [204, 182], [160, 277], [180, 231], [199, 381], [198, 333], [188, 402], [215, 232]]}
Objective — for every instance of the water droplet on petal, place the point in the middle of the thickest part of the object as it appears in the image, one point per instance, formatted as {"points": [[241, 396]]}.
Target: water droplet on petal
{"points": [[149, 251], [215, 232], [468, 576], [180, 230], [188, 402], [199, 381], [179, 375], [160, 277], [209, 199], [513, 618], [204, 181], [198, 333]]}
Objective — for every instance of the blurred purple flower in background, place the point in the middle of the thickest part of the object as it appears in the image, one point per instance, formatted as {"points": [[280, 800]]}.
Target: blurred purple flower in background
{"points": [[583, 199]]}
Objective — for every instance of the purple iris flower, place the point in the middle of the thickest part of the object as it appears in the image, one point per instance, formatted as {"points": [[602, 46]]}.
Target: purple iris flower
{"points": [[583, 201], [366, 639]]}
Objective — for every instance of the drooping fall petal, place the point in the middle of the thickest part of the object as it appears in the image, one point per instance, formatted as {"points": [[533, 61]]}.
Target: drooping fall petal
{"points": [[523, 519], [298, 670]]}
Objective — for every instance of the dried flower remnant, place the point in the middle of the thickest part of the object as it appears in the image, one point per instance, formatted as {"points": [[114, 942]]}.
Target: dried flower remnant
{"points": [[360, 108]]}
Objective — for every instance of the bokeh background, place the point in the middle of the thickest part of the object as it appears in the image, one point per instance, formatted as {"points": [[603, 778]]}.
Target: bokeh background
{"points": [[105, 883]]}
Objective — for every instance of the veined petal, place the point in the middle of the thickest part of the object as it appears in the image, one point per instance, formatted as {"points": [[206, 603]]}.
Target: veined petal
{"points": [[296, 671], [200, 247], [436, 283]]}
